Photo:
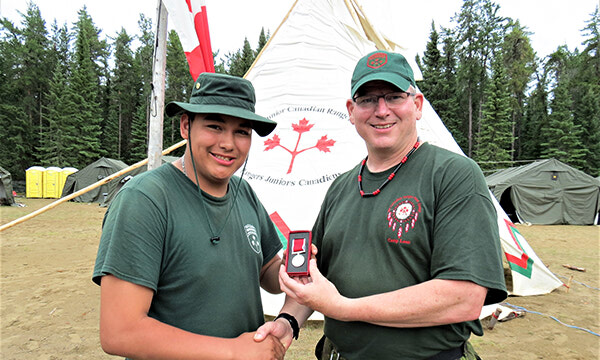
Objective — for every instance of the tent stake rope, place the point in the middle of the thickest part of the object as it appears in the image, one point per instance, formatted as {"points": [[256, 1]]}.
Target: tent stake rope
{"points": [[86, 189]]}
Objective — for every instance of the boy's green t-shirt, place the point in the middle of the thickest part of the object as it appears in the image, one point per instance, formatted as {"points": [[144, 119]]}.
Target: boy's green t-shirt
{"points": [[156, 234]]}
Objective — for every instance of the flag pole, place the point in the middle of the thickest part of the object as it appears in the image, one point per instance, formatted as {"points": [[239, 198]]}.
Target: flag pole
{"points": [[157, 101]]}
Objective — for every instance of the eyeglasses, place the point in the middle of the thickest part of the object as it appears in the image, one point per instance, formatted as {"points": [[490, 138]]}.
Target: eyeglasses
{"points": [[369, 102]]}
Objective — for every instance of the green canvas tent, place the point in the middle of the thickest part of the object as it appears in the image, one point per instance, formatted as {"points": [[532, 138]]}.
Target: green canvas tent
{"points": [[547, 192], [115, 185], [89, 175], [6, 189]]}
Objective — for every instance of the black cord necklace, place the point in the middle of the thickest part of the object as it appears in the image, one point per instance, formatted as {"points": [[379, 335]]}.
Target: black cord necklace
{"points": [[215, 238], [389, 178]]}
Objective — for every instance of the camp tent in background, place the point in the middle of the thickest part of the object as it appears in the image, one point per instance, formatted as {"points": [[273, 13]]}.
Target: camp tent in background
{"points": [[547, 192], [302, 81], [89, 175], [6, 188], [115, 185]]}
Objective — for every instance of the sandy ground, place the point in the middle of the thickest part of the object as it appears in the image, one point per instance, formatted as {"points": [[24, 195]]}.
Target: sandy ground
{"points": [[49, 307]]}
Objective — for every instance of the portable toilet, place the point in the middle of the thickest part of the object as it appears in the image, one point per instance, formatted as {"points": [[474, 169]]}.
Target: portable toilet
{"points": [[64, 173], [51, 182], [34, 182]]}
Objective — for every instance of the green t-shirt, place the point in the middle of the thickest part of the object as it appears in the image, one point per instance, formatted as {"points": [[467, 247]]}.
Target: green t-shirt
{"points": [[434, 220], [156, 234]]}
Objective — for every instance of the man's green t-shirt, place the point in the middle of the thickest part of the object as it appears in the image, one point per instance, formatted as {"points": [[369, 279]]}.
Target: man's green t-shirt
{"points": [[156, 234], [434, 220]]}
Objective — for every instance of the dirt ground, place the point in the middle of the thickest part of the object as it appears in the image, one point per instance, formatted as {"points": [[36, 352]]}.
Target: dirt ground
{"points": [[49, 307]]}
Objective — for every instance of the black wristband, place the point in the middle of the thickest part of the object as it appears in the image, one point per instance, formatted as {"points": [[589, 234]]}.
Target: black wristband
{"points": [[293, 323]]}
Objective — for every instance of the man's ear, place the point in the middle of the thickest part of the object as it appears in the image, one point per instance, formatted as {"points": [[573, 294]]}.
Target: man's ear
{"points": [[419, 99], [184, 124], [351, 106]]}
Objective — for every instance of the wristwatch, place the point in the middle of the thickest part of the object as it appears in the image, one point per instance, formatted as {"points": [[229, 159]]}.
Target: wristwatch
{"points": [[293, 323]]}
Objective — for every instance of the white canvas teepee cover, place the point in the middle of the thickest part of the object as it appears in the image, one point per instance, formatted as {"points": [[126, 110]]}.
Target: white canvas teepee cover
{"points": [[302, 81]]}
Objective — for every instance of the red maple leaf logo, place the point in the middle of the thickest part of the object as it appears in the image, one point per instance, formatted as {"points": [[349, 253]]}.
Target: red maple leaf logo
{"points": [[272, 143], [302, 126], [323, 144]]}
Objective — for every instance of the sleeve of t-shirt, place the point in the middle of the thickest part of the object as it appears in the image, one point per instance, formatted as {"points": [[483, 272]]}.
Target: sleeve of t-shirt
{"points": [[132, 240], [270, 239], [270, 243], [466, 242]]}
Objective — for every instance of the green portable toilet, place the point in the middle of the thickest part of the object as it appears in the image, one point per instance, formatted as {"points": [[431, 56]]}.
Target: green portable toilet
{"points": [[64, 173], [34, 182], [51, 179]]}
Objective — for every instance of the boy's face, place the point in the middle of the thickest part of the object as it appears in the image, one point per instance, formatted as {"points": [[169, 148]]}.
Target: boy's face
{"points": [[220, 145]]}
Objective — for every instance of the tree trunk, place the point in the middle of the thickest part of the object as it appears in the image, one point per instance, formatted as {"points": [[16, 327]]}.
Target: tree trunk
{"points": [[470, 134], [120, 131]]}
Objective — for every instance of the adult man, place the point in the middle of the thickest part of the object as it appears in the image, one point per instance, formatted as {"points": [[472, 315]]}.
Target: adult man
{"points": [[408, 244], [185, 247]]}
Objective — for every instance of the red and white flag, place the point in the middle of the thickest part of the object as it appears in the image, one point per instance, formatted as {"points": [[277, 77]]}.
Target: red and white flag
{"points": [[188, 18]]}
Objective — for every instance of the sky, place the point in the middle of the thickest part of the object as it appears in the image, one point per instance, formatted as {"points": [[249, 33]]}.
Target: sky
{"points": [[551, 22]]}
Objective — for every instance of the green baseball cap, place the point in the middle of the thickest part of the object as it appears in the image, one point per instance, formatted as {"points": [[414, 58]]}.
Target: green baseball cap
{"points": [[223, 94], [382, 65]]}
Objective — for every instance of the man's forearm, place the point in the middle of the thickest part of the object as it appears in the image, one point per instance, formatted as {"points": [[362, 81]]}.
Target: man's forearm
{"points": [[435, 302]]}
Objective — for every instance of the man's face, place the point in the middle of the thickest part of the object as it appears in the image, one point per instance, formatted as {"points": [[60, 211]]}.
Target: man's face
{"points": [[220, 145], [386, 129]]}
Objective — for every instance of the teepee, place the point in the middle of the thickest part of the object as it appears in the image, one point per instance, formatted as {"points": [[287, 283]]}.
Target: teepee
{"points": [[302, 81]]}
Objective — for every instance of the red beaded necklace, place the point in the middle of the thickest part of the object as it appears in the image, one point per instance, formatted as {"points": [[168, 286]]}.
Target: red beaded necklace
{"points": [[389, 178]]}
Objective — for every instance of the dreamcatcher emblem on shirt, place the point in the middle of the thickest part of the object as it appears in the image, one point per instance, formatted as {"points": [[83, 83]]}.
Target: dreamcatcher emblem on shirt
{"points": [[403, 214]]}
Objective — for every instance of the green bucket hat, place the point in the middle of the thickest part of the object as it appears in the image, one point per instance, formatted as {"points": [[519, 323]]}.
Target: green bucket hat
{"points": [[226, 95], [382, 65]]}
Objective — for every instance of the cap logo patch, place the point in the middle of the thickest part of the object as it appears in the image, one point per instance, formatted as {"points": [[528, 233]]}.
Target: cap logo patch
{"points": [[377, 60]]}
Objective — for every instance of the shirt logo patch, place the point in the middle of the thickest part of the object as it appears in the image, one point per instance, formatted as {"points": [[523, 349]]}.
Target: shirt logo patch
{"points": [[252, 236], [402, 216]]}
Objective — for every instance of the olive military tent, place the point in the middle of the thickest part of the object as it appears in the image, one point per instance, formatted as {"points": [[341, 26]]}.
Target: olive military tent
{"points": [[547, 192], [115, 185], [6, 189], [89, 175]]}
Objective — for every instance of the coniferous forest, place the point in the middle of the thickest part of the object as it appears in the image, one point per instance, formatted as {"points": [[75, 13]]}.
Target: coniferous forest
{"points": [[70, 94]]}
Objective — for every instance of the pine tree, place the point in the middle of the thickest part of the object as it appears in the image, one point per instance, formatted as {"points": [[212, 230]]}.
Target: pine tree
{"points": [[587, 113], [432, 68], [262, 41], [519, 60], [53, 150], [125, 99], [495, 137], [15, 134], [240, 62], [15, 128], [535, 118], [143, 60], [57, 112], [592, 44], [478, 32], [35, 64], [178, 86], [33, 77], [85, 82], [439, 83], [586, 94], [562, 136]]}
